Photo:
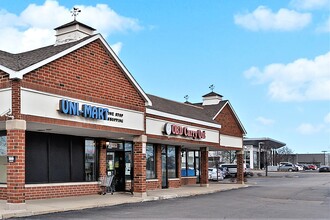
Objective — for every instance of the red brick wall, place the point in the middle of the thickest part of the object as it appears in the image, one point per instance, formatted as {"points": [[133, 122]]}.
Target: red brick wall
{"points": [[4, 80], [204, 166], [88, 73], [240, 166], [3, 193], [139, 184], [16, 170], [174, 183], [101, 145], [229, 124], [44, 192], [153, 184], [188, 180]]}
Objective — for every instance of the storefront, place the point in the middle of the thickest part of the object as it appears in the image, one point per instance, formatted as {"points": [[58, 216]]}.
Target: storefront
{"points": [[72, 112]]}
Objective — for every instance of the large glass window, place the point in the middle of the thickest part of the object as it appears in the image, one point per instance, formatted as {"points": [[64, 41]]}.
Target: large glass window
{"points": [[90, 160], [190, 163], [171, 162], [3, 158], [54, 158], [151, 162], [128, 160]]}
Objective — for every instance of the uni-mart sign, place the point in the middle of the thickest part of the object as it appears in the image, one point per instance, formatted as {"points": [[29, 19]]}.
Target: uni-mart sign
{"points": [[89, 111]]}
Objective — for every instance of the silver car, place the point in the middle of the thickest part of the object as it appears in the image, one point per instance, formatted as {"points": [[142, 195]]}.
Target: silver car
{"points": [[288, 167]]}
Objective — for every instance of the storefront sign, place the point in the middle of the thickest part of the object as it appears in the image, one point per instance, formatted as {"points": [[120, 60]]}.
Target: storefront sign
{"points": [[89, 111], [172, 129]]}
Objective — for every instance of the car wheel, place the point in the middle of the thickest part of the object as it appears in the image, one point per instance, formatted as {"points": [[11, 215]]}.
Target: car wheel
{"points": [[290, 170]]}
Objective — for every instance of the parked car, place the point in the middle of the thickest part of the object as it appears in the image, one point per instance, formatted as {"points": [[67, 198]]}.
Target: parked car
{"points": [[312, 167], [300, 167], [232, 169], [288, 167], [214, 176], [324, 169]]}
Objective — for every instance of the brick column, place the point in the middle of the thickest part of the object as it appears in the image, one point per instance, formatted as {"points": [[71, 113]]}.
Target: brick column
{"points": [[16, 170], [101, 144], [139, 171], [204, 167], [240, 166]]}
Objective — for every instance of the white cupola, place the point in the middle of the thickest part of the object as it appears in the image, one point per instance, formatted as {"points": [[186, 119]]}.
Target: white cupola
{"points": [[212, 98], [72, 31]]}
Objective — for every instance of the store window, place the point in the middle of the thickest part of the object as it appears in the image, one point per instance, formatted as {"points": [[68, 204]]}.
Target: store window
{"points": [[171, 162], [189, 163], [90, 160], [128, 160], [55, 158], [3, 157], [151, 162]]}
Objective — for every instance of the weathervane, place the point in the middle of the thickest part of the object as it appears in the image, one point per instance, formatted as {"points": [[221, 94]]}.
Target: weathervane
{"points": [[211, 87], [186, 97], [75, 12]]}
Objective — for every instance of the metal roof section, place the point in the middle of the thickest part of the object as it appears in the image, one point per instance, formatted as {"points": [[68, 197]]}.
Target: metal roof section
{"points": [[266, 142]]}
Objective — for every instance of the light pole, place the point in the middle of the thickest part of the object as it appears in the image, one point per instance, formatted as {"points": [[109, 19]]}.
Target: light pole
{"points": [[324, 151], [259, 144]]}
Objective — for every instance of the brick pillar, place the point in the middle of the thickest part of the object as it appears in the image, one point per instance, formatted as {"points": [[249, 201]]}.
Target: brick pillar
{"points": [[102, 157], [16, 170], [159, 165], [139, 171], [204, 166], [240, 166]]}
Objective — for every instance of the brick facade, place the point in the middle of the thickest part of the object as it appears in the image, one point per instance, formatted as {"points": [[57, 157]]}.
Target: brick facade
{"points": [[60, 190], [88, 73], [91, 74], [229, 123], [16, 170]]}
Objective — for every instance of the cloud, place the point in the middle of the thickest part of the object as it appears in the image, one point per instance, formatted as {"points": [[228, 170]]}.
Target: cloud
{"points": [[265, 121], [309, 129], [301, 80], [264, 19], [325, 27], [33, 28], [117, 47], [310, 4], [327, 118]]}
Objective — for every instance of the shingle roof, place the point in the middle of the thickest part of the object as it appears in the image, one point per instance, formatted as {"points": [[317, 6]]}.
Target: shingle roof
{"points": [[74, 23], [212, 94], [23, 60], [194, 111]]}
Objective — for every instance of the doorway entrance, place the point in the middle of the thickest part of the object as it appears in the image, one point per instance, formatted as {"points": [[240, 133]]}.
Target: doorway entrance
{"points": [[169, 164]]}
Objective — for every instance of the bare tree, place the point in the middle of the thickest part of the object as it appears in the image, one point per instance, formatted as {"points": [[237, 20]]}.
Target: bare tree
{"points": [[285, 154]]}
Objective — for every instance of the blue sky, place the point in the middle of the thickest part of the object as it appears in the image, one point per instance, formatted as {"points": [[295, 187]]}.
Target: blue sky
{"points": [[271, 59]]}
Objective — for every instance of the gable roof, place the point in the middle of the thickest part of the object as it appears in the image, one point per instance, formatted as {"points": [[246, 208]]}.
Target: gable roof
{"points": [[184, 110], [17, 65], [198, 111]]}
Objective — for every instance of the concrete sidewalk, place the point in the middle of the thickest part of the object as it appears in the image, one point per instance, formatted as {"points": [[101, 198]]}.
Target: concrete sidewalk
{"points": [[44, 206]]}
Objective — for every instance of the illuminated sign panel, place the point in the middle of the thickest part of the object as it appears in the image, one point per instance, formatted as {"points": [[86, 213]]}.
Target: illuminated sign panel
{"points": [[172, 129], [89, 111]]}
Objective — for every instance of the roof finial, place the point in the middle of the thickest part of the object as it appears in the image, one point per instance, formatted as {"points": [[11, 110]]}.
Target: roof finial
{"points": [[186, 97], [211, 87], [75, 12]]}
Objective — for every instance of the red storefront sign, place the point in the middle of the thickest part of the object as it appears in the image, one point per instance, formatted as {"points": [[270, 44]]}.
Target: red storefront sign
{"points": [[183, 131]]}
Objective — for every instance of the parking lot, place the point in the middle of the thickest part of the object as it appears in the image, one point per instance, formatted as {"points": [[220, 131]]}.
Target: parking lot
{"points": [[281, 195]]}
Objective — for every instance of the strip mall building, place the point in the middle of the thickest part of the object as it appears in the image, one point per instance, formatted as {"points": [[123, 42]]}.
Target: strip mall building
{"points": [[72, 112]]}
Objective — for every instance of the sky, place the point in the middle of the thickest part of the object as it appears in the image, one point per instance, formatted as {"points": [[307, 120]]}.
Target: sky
{"points": [[270, 59]]}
